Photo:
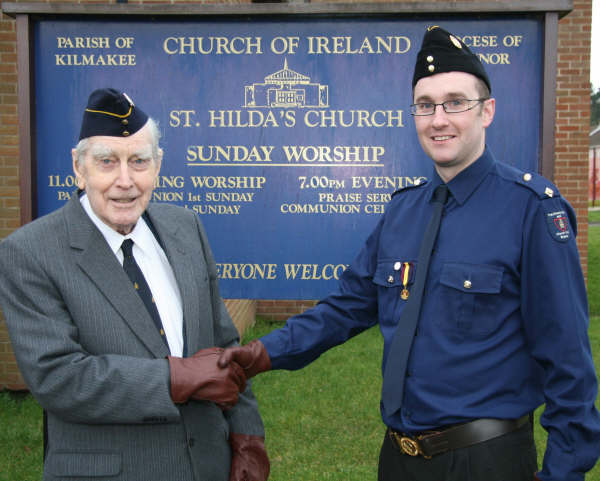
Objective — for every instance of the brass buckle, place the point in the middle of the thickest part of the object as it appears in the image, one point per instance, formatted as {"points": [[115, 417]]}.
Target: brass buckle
{"points": [[408, 445]]}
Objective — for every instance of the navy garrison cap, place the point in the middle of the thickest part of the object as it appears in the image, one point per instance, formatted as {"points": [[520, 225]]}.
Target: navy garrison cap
{"points": [[442, 52], [110, 112]]}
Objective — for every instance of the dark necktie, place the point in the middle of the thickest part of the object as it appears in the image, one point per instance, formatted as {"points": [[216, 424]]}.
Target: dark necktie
{"points": [[395, 369], [141, 286]]}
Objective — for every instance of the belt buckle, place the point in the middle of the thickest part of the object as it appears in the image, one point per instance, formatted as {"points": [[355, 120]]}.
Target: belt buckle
{"points": [[409, 445]]}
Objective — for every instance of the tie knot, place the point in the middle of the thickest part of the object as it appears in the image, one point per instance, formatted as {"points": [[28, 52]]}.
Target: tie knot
{"points": [[441, 194], [126, 247]]}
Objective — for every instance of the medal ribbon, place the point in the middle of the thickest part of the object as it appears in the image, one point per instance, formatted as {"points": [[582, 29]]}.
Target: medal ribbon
{"points": [[406, 270], [405, 274]]}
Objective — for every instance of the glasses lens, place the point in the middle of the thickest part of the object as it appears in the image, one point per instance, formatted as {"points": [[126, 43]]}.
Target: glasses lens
{"points": [[422, 109], [456, 105]]}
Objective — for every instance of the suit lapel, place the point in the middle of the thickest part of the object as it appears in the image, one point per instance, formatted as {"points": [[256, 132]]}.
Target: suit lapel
{"points": [[176, 245], [100, 264]]}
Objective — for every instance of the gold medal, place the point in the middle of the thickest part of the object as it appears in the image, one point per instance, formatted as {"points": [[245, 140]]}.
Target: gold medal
{"points": [[404, 294]]}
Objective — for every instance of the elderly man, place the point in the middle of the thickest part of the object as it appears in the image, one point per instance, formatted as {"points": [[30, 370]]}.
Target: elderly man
{"points": [[480, 326], [103, 299]]}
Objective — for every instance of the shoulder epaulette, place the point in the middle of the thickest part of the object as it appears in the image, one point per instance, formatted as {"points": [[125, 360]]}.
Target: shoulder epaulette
{"points": [[417, 183], [541, 186]]}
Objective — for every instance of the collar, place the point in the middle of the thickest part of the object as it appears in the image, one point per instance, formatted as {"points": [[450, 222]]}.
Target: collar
{"points": [[141, 234], [466, 181]]}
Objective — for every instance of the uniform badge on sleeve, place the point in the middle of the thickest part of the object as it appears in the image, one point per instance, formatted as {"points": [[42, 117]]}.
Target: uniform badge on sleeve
{"points": [[558, 225]]}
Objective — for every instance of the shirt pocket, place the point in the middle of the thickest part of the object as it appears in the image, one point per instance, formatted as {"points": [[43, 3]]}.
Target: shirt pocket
{"points": [[470, 297], [391, 281]]}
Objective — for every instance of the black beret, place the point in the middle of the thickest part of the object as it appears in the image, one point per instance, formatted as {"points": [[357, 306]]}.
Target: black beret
{"points": [[110, 112], [442, 52]]}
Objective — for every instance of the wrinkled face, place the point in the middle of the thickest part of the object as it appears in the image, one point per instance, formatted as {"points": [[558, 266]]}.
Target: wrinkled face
{"points": [[118, 176], [453, 141]]}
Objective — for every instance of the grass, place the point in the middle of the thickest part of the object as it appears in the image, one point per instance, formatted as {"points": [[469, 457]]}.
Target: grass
{"points": [[20, 437], [594, 270], [322, 422], [594, 216]]}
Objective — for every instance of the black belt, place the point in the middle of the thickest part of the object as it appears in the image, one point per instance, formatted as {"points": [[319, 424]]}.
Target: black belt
{"points": [[430, 443]]}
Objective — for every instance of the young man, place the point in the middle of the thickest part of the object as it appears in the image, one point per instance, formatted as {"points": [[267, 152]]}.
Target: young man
{"points": [[493, 324]]}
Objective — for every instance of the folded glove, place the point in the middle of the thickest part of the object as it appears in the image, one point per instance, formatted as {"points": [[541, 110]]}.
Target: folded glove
{"points": [[249, 460]]}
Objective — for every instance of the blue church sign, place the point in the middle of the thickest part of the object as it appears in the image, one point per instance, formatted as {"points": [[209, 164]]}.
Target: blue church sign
{"points": [[286, 137]]}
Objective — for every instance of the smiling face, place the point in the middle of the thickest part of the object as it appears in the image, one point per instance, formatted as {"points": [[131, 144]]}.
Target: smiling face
{"points": [[118, 176], [453, 141]]}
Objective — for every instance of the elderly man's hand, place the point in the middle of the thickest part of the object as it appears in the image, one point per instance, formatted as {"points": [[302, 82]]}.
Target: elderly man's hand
{"points": [[200, 378], [249, 460], [253, 358]]}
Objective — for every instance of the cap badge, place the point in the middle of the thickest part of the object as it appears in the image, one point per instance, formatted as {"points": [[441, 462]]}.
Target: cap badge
{"points": [[455, 41], [128, 99]]}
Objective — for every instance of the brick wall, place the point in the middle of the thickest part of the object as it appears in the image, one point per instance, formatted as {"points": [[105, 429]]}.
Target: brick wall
{"points": [[281, 310], [572, 129], [10, 377], [573, 114]]}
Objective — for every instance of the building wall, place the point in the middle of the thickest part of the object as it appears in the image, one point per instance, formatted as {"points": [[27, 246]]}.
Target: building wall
{"points": [[9, 175], [571, 161], [573, 114]]}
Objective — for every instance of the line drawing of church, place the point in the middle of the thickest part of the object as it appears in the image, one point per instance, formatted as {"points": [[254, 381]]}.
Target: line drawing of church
{"points": [[286, 88]]}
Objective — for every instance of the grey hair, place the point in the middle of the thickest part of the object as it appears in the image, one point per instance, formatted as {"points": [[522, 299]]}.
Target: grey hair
{"points": [[82, 146]]}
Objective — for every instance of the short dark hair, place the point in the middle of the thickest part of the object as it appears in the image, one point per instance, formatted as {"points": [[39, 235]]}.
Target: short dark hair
{"points": [[482, 89]]}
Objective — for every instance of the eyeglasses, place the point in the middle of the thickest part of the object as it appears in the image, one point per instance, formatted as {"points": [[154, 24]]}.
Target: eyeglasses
{"points": [[454, 106]]}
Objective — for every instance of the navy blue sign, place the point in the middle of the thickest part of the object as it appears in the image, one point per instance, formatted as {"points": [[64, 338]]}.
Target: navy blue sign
{"points": [[286, 137]]}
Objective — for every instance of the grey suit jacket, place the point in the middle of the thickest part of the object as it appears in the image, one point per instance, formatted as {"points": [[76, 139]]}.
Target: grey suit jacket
{"points": [[89, 352]]}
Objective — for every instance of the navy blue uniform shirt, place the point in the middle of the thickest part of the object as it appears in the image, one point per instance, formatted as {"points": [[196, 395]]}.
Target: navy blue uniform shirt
{"points": [[503, 324]]}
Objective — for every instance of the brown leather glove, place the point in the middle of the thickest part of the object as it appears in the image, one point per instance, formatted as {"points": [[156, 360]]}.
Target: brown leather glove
{"points": [[200, 378], [249, 460], [253, 358]]}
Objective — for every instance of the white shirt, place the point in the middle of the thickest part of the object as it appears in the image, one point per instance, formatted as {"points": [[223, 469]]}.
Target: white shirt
{"points": [[155, 266]]}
